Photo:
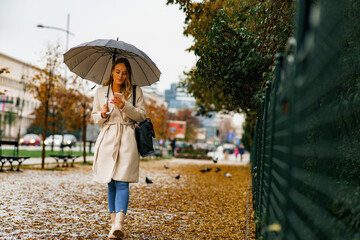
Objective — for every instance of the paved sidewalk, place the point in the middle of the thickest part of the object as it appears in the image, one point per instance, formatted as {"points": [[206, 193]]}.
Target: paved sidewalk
{"points": [[183, 202], [231, 160]]}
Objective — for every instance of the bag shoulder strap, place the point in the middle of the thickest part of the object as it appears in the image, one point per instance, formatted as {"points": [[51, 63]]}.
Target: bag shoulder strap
{"points": [[134, 94]]}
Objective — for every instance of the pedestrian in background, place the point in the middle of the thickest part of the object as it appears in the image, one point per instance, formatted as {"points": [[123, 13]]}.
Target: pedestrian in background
{"points": [[173, 145], [240, 151], [116, 158]]}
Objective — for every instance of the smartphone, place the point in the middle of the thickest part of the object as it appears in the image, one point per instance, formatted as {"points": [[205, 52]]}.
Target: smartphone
{"points": [[119, 95]]}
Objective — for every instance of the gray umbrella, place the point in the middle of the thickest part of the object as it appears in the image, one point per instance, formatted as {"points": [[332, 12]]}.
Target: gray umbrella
{"points": [[93, 61]]}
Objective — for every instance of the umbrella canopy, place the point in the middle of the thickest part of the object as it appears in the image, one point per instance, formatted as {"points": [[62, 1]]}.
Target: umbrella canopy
{"points": [[93, 61]]}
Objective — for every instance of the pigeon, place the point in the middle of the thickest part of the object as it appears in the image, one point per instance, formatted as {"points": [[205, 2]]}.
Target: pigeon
{"points": [[205, 170], [177, 177], [215, 160], [228, 175], [166, 167], [217, 169], [147, 180]]}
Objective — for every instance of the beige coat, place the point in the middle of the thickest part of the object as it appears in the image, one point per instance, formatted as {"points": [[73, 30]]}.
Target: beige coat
{"points": [[116, 155]]}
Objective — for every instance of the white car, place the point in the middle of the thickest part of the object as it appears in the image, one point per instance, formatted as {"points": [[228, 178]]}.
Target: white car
{"points": [[219, 154], [229, 147], [69, 139]]}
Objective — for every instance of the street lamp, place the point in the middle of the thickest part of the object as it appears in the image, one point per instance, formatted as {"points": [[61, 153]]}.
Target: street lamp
{"points": [[61, 29]]}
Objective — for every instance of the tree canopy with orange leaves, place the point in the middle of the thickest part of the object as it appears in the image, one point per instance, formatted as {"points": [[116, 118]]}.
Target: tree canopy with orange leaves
{"points": [[158, 115], [62, 107]]}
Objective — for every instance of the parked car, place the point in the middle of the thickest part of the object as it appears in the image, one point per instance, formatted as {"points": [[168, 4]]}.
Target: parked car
{"points": [[181, 146], [30, 139], [229, 147], [157, 148], [69, 139]]}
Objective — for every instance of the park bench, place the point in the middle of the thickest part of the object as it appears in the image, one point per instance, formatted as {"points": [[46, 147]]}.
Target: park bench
{"points": [[65, 157], [15, 156]]}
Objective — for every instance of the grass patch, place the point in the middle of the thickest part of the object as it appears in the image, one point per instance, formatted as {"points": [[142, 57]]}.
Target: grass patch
{"points": [[37, 153], [192, 156], [154, 158], [82, 163]]}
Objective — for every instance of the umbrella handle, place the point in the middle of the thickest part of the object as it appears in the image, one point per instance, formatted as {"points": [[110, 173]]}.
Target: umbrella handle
{"points": [[112, 109]]}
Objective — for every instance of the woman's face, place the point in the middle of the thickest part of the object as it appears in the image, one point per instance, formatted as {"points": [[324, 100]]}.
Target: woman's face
{"points": [[120, 74]]}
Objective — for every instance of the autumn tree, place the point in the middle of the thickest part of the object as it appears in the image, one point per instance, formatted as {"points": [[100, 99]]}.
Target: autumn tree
{"points": [[42, 86], [192, 123], [63, 106], [83, 108], [235, 42], [68, 101], [158, 115]]}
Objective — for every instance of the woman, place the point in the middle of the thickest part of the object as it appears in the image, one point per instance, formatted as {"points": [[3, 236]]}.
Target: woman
{"points": [[116, 158]]}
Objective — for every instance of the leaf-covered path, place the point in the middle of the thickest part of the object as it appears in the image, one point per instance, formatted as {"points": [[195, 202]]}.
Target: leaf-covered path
{"points": [[67, 204]]}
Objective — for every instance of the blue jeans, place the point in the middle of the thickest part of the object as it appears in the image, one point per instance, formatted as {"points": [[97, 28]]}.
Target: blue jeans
{"points": [[118, 196]]}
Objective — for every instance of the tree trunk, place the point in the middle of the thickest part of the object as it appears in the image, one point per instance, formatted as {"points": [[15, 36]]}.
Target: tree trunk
{"points": [[47, 99], [84, 137], [44, 133], [53, 133]]}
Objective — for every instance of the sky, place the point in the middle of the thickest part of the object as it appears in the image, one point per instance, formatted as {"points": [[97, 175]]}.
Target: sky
{"points": [[150, 25]]}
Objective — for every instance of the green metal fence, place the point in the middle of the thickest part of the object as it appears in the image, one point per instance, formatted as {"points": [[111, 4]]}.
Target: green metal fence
{"points": [[306, 151]]}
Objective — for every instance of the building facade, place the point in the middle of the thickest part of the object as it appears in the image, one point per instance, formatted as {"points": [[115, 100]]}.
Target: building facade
{"points": [[17, 104], [178, 98], [154, 95]]}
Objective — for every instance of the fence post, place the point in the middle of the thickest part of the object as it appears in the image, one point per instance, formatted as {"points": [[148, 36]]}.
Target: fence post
{"points": [[262, 200], [258, 170], [278, 68], [254, 163]]}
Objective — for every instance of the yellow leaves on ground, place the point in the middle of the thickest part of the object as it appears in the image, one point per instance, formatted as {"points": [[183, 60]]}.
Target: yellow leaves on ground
{"points": [[69, 205]]}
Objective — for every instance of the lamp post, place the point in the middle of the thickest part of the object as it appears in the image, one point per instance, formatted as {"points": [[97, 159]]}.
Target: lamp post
{"points": [[61, 29]]}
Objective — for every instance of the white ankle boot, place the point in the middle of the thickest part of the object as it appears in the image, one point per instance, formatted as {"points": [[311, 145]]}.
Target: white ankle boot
{"points": [[119, 225], [111, 233]]}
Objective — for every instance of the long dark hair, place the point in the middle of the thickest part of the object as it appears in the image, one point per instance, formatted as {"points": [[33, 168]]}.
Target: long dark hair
{"points": [[128, 84]]}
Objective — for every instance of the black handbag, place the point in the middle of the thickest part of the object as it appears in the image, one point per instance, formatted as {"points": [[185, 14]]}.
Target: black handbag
{"points": [[144, 133]]}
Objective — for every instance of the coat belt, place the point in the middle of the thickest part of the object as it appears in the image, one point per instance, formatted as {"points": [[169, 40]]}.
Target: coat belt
{"points": [[117, 140]]}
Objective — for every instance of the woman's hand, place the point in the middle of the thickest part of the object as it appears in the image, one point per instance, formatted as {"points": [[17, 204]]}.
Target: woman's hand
{"points": [[118, 101], [104, 109]]}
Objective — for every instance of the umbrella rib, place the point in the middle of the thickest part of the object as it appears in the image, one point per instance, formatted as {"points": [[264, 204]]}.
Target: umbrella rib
{"points": [[103, 54], [150, 66], [85, 49], [104, 72], [143, 69], [132, 56], [143, 72], [82, 50]]}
